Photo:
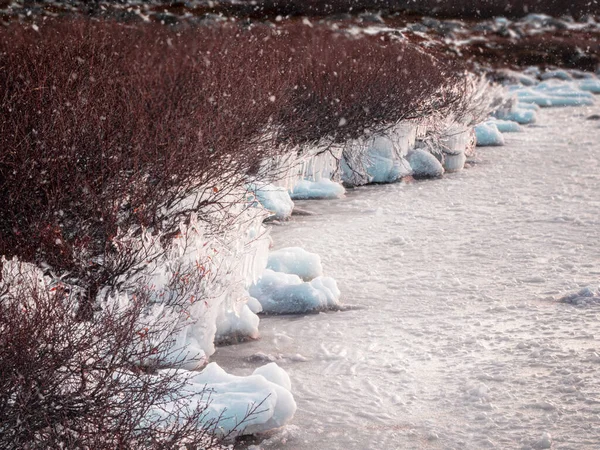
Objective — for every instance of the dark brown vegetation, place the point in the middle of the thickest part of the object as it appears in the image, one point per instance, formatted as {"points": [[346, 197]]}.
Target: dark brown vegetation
{"points": [[560, 48], [168, 10], [109, 129]]}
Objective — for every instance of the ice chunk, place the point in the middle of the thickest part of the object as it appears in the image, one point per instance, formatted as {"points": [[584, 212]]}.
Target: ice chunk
{"points": [[528, 106], [590, 85], [585, 297], [324, 188], [297, 261], [522, 114], [454, 162], [507, 126], [488, 135], [237, 325], [254, 305], [424, 164], [556, 93], [275, 374], [558, 74], [281, 293], [274, 199], [266, 392], [385, 165]]}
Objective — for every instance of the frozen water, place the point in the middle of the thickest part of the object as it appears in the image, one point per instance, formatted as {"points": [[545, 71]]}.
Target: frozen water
{"points": [[297, 261], [522, 113], [381, 158], [488, 135], [556, 93], [306, 189], [281, 293], [453, 342], [590, 85], [557, 74], [266, 392], [454, 162], [274, 199], [424, 164], [507, 126]]}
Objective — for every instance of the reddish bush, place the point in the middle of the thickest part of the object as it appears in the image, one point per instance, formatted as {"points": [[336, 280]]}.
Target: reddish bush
{"points": [[345, 85], [106, 127], [70, 384], [109, 128]]}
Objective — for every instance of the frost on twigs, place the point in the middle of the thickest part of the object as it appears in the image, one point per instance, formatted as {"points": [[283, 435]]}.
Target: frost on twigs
{"points": [[68, 383]]}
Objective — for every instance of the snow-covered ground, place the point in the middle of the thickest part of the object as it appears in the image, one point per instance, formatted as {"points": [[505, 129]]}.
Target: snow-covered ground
{"points": [[455, 337]]}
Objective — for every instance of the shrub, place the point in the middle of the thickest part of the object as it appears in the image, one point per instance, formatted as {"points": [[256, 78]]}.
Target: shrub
{"points": [[360, 84], [65, 383], [106, 127], [115, 132]]}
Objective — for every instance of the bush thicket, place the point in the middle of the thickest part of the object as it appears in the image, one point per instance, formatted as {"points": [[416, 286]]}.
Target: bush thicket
{"points": [[111, 129]]}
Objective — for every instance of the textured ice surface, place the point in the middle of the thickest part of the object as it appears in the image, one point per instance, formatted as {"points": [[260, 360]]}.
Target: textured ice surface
{"points": [[453, 343]]}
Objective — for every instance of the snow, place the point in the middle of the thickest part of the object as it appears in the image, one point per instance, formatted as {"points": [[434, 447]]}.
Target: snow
{"points": [[450, 288], [274, 199], [325, 188], [281, 293], [266, 392], [424, 164], [297, 261], [488, 135]]}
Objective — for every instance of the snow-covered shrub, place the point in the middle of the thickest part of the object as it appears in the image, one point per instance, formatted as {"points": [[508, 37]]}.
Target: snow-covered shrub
{"points": [[101, 383], [68, 383], [107, 132]]}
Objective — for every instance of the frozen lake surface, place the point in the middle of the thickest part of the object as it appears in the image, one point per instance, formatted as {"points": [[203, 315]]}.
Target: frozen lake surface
{"points": [[454, 339]]}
